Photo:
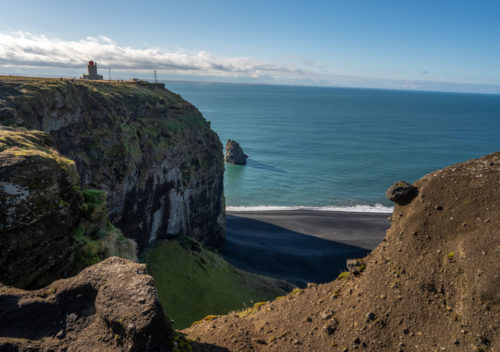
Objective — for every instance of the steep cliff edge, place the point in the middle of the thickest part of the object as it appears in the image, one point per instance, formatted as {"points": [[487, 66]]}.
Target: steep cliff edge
{"points": [[152, 151], [48, 228], [431, 285]]}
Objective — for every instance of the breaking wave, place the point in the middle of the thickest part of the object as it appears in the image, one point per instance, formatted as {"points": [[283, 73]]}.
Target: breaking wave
{"points": [[377, 208]]}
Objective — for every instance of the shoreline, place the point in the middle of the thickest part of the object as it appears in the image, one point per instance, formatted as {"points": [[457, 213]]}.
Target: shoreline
{"points": [[300, 246], [348, 227], [360, 208]]}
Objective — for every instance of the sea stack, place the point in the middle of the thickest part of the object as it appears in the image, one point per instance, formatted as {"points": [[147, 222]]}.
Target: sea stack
{"points": [[234, 153]]}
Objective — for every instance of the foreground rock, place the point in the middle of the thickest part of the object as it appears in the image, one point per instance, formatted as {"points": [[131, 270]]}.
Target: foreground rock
{"points": [[431, 285], [48, 228], [234, 153], [111, 306], [152, 151]]}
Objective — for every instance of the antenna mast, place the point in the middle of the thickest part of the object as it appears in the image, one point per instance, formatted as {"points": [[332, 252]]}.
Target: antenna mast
{"points": [[109, 72], [156, 81]]}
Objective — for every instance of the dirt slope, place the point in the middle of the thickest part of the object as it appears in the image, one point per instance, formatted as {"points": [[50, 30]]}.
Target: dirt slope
{"points": [[433, 284]]}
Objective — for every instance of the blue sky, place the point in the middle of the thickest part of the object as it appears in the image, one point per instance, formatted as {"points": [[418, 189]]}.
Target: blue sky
{"points": [[436, 45]]}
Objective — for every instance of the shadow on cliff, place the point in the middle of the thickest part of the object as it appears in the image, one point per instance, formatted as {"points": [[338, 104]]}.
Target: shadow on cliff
{"points": [[257, 165], [206, 347], [272, 250]]}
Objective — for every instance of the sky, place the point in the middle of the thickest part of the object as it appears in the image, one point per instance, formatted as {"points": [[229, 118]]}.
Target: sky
{"points": [[400, 44]]}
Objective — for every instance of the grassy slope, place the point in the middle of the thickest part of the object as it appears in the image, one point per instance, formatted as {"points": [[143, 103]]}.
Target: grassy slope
{"points": [[193, 282]]}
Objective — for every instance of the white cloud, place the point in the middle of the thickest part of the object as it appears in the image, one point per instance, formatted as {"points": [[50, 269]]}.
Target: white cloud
{"points": [[30, 50], [23, 51]]}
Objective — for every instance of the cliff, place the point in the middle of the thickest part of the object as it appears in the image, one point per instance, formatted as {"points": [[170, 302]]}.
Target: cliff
{"points": [[431, 285], [152, 151], [48, 228]]}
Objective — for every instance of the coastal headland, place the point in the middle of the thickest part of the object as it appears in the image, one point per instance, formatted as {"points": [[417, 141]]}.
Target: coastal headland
{"points": [[82, 161]]}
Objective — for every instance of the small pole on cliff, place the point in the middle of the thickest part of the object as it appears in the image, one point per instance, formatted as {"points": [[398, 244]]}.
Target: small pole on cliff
{"points": [[109, 73], [156, 81]]}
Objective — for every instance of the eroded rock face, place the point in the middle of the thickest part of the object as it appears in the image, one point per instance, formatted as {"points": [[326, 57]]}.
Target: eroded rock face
{"points": [[110, 306], [48, 228], [152, 151], [39, 209], [234, 153]]}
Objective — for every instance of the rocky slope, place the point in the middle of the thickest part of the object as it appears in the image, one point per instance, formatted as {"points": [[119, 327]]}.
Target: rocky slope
{"points": [[152, 151], [431, 285], [48, 227], [111, 306]]}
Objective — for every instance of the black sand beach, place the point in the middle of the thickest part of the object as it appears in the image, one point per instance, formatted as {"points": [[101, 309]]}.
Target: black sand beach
{"points": [[301, 245]]}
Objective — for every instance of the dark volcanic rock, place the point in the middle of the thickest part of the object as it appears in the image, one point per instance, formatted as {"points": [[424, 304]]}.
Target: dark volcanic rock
{"points": [[48, 228], [234, 153], [111, 306], [152, 151], [39, 209], [401, 192]]}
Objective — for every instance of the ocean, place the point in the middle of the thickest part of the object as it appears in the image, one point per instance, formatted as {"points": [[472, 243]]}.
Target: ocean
{"points": [[339, 148]]}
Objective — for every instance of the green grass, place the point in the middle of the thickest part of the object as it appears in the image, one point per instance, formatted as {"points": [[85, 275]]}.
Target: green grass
{"points": [[343, 275], [95, 237], [193, 284]]}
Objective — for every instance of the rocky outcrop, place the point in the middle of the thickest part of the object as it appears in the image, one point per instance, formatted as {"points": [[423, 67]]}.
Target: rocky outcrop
{"points": [[234, 153], [48, 228], [39, 209], [431, 285], [111, 306], [401, 192], [152, 151]]}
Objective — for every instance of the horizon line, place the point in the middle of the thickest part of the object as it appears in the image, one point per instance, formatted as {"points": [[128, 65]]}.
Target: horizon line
{"points": [[277, 84]]}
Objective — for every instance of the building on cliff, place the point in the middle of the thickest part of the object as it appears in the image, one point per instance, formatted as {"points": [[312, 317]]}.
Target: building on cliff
{"points": [[92, 71]]}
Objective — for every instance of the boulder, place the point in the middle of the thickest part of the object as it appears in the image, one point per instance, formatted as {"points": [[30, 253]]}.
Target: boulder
{"points": [[355, 266], [110, 306], [234, 153], [401, 192]]}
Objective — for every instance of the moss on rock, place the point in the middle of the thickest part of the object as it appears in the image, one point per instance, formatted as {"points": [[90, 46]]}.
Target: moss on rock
{"points": [[48, 228], [95, 237]]}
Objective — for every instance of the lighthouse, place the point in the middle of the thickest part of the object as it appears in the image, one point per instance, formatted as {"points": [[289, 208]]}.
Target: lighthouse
{"points": [[92, 71]]}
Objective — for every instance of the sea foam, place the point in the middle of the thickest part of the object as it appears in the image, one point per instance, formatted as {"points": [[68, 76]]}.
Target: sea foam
{"points": [[361, 208]]}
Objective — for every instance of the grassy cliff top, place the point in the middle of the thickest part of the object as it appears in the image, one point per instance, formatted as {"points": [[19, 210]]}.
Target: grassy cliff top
{"points": [[10, 78], [26, 101], [11, 86]]}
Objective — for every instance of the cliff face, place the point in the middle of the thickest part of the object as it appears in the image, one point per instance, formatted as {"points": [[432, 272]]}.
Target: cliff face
{"points": [[39, 209], [431, 285], [152, 151], [48, 227]]}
